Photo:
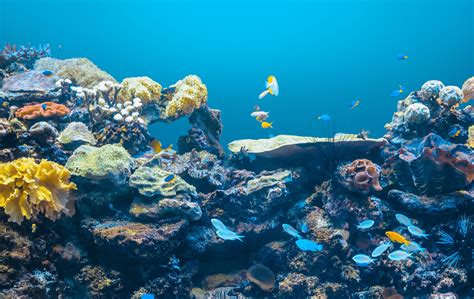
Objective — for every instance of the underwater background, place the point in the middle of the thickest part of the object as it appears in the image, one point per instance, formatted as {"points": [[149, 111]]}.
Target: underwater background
{"points": [[325, 54]]}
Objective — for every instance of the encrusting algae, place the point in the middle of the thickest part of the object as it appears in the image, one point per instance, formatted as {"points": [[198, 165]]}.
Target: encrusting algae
{"points": [[28, 189]]}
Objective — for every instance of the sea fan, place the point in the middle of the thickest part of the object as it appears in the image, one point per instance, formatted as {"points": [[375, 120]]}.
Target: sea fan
{"points": [[459, 238]]}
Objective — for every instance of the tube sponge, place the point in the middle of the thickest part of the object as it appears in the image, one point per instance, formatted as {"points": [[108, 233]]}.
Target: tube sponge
{"points": [[28, 189]]}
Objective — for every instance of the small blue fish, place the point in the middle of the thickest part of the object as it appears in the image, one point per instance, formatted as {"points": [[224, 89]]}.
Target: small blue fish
{"points": [[44, 106], [404, 220], [412, 247], [219, 225], [308, 245], [398, 91], [47, 73], [291, 231], [228, 235], [455, 131], [324, 117], [399, 255], [169, 179], [417, 232], [148, 296], [304, 228], [366, 224], [401, 57], [362, 259], [379, 250], [354, 104]]}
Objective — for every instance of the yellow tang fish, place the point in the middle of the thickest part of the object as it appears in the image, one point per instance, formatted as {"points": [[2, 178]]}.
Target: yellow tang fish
{"points": [[156, 145], [33, 228], [266, 125], [396, 237]]}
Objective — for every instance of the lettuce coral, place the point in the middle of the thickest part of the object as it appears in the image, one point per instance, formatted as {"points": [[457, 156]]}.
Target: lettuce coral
{"points": [[28, 189], [190, 93]]}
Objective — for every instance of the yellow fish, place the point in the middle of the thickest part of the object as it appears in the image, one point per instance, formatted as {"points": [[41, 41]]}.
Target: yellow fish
{"points": [[33, 228], [266, 125], [396, 237], [156, 145], [271, 87]]}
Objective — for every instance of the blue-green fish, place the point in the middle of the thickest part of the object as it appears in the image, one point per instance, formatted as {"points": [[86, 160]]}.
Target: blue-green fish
{"points": [[304, 228], [47, 73], [148, 296], [228, 235], [291, 231], [401, 57], [417, 232], [219, 225], [362, 259], [379, 250], [169, 178], [399, 255], [398, 91], [455, 131], [404, 220], [44, 106], [324, 117], [412, 247], [308, 245], [366, 224]]}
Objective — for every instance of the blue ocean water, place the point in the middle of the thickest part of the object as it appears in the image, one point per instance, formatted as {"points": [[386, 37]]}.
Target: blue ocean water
{"points": [[325, 54]]}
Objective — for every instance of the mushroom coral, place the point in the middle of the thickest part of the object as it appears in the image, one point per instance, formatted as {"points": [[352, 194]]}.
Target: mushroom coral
{"points": [[43, 110], [28, 189]]}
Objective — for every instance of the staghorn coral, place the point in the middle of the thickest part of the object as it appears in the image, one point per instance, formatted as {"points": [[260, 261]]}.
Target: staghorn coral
{"points": [[43, 110], [81, 71], [25, 55], [28, 189], [361, 176], [139, 87], [189, 94]]}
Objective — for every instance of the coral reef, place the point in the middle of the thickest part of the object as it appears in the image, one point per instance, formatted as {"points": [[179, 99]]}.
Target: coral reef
{"points": [[81, 71], [28, 189], [200, 222]]}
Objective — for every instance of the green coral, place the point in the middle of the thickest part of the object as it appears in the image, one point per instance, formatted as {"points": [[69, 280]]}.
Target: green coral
{"points": [[79, 70], [110, 161], [149, 180]]}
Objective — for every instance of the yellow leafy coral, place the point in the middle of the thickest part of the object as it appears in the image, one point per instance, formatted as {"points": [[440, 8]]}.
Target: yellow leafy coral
{"points": [[28, 189], [190, 93], [142, 87]]}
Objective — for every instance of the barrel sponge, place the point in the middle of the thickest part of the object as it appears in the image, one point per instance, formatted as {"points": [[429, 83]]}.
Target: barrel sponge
{"points": [[139, 87], [190, 93], [28, 189]]}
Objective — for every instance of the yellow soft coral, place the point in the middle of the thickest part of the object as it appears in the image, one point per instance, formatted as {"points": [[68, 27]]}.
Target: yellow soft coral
{"points": [[190, 93], [142, 87], [28, 188]]}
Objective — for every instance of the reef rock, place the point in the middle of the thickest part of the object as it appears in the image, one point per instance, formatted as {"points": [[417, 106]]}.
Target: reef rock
{"points": [[81, 71], [149, 180], [142, 242], [285, 146], [76, 134], [110, 162], [431, 165], [360, 176], [32, 82], [434, 205], [158, 209]]}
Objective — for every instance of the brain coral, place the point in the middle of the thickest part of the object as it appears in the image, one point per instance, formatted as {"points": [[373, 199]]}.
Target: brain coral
{"points": [[451, 95], [190, 93], [80, 70], [416, 113], [43, 110], [141, 87], [431, 89], [28, 189]]}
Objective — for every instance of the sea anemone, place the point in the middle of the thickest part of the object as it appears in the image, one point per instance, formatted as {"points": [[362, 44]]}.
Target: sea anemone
{"points": [[460, 240]]}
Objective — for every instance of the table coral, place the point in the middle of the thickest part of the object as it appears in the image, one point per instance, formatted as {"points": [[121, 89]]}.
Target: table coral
{"points": [[42, 110], [28, 189], [139, 87], [189, 94], [360, 176]]}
